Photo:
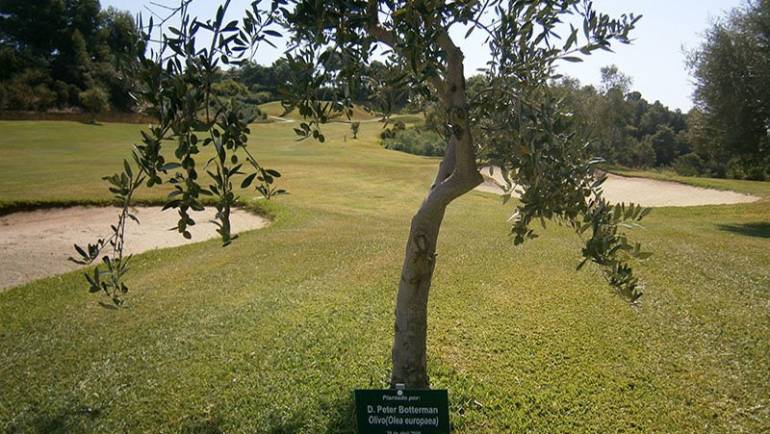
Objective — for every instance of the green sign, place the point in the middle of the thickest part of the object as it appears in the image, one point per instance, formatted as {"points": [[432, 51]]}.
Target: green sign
{"points": [[402, 411]]}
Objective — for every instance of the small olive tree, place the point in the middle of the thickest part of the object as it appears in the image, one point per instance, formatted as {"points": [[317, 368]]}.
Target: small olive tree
{"points": [[513, 123]]}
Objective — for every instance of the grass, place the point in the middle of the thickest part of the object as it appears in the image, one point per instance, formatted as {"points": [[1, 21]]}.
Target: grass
{"points": [[755, 188], [273, 333]]}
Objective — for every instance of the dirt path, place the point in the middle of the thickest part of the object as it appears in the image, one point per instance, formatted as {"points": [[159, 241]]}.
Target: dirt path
{"points": [[650, 192], [36, 244]]}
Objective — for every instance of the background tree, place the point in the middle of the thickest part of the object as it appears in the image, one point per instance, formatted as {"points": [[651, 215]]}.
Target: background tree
{"points": [[614, 79], [52, 50], [732, 74], [515, 123], [621, 126]]}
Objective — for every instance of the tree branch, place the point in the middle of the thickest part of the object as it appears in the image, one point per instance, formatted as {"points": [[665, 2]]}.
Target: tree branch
{"points": [[454, 97], [447, 165], [389, 38], [375, 29]]}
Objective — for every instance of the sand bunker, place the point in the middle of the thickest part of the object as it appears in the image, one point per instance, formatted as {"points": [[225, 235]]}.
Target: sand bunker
{"points": [[37, 243], [649, 192]]}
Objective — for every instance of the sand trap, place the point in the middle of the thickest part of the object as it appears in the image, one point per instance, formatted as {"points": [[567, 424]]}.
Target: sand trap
{"points": [[648, 192], [37, 243]]}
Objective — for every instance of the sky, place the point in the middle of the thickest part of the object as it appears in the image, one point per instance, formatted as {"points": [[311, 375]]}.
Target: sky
{"points": [[655, 60]]}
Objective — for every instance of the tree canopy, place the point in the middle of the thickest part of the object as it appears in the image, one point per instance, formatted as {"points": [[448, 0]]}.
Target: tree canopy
{"points": [[53, 50], [622, 126], [732, 74], [514, 122]]}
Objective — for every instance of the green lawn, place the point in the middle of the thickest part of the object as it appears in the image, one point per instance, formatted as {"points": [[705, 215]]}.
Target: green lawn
{"points": [[272, 333]]}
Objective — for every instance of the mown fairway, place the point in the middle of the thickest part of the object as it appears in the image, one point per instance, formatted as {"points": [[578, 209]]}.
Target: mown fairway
{"points": [[272, 333]]}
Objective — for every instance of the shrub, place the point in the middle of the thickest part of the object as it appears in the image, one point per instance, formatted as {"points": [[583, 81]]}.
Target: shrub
{"points": [[45, 98], [94, 101], [418, 142], [641, 154], [19, 96], [752, 168], [389, 133], [257, 98], [230, 88], [689, 165]]}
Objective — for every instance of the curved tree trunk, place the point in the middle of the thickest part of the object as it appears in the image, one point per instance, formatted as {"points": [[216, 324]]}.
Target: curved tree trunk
{"points": [[411, 324], [409, 344], [457, 175]]}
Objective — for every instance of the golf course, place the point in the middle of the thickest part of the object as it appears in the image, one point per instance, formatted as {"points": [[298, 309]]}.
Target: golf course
{"points": [[273, 332]]}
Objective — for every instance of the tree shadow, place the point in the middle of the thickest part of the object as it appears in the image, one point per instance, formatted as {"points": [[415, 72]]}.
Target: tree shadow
{"points": [[760, 230], [75, 419], [203, 426], [91, 123], [343, 421], [78, 419]]}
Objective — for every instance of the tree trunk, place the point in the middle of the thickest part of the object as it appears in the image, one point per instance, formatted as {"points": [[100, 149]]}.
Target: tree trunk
{"points": [[457, 175], [411, 324], [409, 343]]}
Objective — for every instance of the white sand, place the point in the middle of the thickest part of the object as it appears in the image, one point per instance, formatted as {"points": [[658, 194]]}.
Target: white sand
{"points": [[648, 192], [37, 243]]}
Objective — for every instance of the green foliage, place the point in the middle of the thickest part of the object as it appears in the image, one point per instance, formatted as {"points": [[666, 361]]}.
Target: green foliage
{"points": [[95, 101], [178, 87], [416, 141], [229, 88], [731, 70], [614, 79], [31, 90], [109, 279], [51, 50], [513, 120], [689, 165], [558, 180], [622, 126], [640, 154]]}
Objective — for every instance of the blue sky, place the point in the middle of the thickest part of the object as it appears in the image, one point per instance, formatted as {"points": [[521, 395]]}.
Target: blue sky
{"points": [[656, 59]]}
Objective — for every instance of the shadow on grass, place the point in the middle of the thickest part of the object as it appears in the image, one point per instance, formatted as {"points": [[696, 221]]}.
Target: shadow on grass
{"points": [[761, 230], [202, 426], [344, 417], [341, 420], [64, 420], [81, 419]]}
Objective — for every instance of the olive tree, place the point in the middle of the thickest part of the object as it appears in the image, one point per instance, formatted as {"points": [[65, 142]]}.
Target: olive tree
{"points": [[514, 124]]}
